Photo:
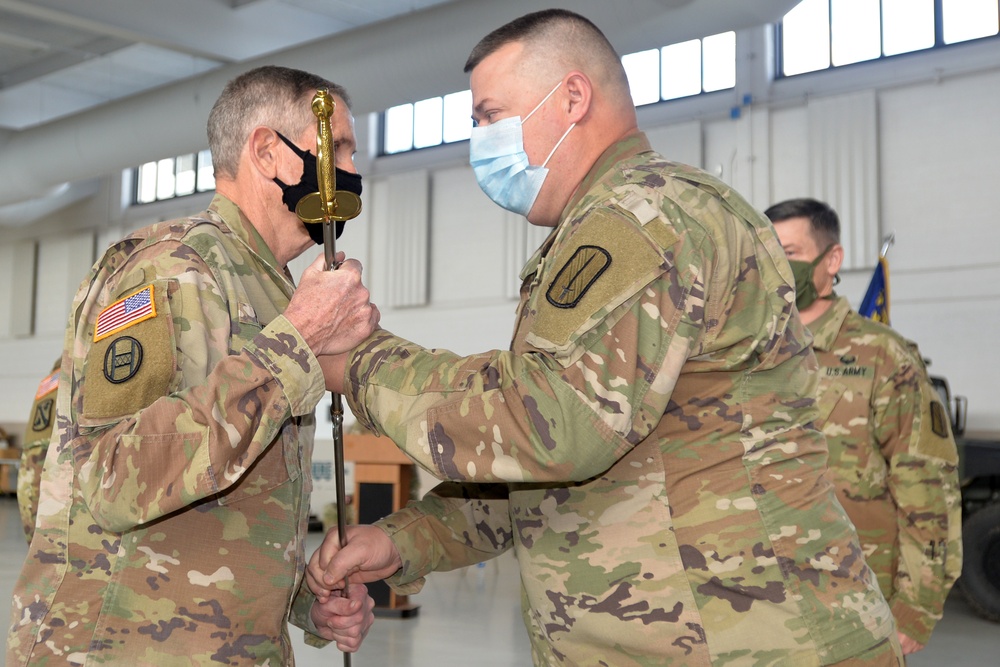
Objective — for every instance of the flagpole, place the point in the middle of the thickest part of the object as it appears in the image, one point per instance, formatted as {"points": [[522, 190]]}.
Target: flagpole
{"points": [[887, 243]]}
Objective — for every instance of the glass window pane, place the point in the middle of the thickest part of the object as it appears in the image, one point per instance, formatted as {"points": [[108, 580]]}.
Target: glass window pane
{"points": [[805, 37], [399, 128], [681, 68], [427, 123], [719, 53], [643, 72], [146, 190], [185, 174], [457, 116], [165, 178], [206, 174], [908, 25], [856, 31], [968, 19]]}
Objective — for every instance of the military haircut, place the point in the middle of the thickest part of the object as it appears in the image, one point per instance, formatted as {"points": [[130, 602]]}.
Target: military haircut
{"points": [[823, 220], [558, 38], [271, 96]]}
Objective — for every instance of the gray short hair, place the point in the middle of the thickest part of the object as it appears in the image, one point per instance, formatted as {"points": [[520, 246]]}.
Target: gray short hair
{"points": [[277, 97]]}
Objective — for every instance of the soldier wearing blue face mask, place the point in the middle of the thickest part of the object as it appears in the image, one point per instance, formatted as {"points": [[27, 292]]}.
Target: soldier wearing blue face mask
{"points": [[502, 169], [646, 446]]}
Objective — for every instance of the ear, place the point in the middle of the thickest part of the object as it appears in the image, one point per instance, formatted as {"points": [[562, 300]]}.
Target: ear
{"points": [[262, 149], [580, 93], [834, 259]]}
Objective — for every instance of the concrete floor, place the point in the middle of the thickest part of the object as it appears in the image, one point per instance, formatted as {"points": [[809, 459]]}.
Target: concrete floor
{"points": [[476, 612]]}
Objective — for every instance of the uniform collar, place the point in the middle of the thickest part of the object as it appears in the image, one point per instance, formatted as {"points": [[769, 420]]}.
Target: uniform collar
{"points": [[243, 229], [633, 144], [827, 326]]}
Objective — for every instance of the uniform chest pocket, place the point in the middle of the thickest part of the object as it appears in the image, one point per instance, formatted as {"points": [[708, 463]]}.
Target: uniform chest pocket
{"points": [[829, 396]]}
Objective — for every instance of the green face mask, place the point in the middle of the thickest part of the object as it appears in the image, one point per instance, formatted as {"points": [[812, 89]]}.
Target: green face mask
{"points": [[805, 289]]}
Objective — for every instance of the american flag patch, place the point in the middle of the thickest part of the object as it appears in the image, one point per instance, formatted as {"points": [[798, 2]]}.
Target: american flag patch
{"points": [[125, 312], [48, 385]]}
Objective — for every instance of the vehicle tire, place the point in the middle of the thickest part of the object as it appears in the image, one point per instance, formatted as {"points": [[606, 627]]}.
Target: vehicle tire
{"points": [[980, 580]]}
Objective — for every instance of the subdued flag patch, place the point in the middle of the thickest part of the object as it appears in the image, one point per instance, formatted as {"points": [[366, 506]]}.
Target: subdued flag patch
{"points": [[122, 314], [48, 384]]}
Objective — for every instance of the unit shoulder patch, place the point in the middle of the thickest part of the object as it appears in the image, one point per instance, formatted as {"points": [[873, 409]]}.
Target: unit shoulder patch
{"points": [[122, 359], [41, 418], [939, 420], [577, 275]]}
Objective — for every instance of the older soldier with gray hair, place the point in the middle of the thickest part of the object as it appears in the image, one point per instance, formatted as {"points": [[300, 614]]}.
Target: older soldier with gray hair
{"points": [[646, 447], [892, 455], [175, 495]]}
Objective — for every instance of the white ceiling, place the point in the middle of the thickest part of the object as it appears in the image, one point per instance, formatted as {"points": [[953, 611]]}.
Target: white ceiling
{"points": [[59, 57]]}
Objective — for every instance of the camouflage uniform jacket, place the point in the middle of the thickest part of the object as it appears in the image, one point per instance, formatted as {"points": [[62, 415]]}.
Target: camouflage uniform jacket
{"points": [[36, 444], [893, 461], [642, 446], [173, 502]]}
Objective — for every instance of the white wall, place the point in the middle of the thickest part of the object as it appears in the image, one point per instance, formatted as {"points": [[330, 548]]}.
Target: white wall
{"points": [[928, 174]]}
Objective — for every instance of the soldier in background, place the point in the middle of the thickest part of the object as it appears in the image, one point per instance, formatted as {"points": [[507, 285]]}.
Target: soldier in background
{"points": [[175, 496], [36, 444], [892, 455], [645, 447]]}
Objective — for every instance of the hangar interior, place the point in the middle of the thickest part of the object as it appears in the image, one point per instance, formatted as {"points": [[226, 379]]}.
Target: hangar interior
{"points": [[92, 90]]}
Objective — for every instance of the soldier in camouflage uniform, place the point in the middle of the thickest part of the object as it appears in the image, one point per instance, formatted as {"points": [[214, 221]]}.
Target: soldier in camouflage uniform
{"points": [[174, 498], [892, 455], [36, 444], [645, 447]]}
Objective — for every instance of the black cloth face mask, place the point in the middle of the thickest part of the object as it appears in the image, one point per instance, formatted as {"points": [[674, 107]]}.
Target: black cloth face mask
{"points": [[291, 195]]}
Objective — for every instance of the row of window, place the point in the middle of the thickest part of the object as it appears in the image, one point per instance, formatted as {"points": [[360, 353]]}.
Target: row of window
{"points": [[818, 34], [173, 177], [814, 35]]}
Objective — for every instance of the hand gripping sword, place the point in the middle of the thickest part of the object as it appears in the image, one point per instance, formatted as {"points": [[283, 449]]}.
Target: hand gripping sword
{"points": [[327, 207]]}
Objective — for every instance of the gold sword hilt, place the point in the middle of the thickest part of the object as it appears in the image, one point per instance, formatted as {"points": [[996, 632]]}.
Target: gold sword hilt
{"points": [[329, 205]]}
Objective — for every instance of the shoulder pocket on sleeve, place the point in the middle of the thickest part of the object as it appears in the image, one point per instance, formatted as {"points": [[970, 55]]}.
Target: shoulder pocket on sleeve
{"points": [[607, 261], [132, 355]]}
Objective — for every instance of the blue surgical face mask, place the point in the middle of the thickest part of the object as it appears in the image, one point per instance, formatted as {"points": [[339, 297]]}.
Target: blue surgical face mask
{"points": [[496, 153]]}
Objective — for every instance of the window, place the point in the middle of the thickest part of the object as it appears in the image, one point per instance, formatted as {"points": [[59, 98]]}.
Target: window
{"points": [[430, 122], [820, 34], [679, 70], [173, 177]]}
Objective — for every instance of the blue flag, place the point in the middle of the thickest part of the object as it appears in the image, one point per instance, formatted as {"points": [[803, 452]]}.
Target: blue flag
{"points": [[875, 305]]}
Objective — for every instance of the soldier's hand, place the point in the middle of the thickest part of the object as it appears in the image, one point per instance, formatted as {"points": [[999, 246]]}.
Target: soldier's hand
{"points": [[369, 556], [345, 619], [908, 644], [331, 309]]}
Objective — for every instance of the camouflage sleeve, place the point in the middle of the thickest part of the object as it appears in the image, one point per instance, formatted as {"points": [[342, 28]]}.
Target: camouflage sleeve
{"points": [[202, 413], [452, 526], [564, 411], [914, 436], [300, 615]]}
